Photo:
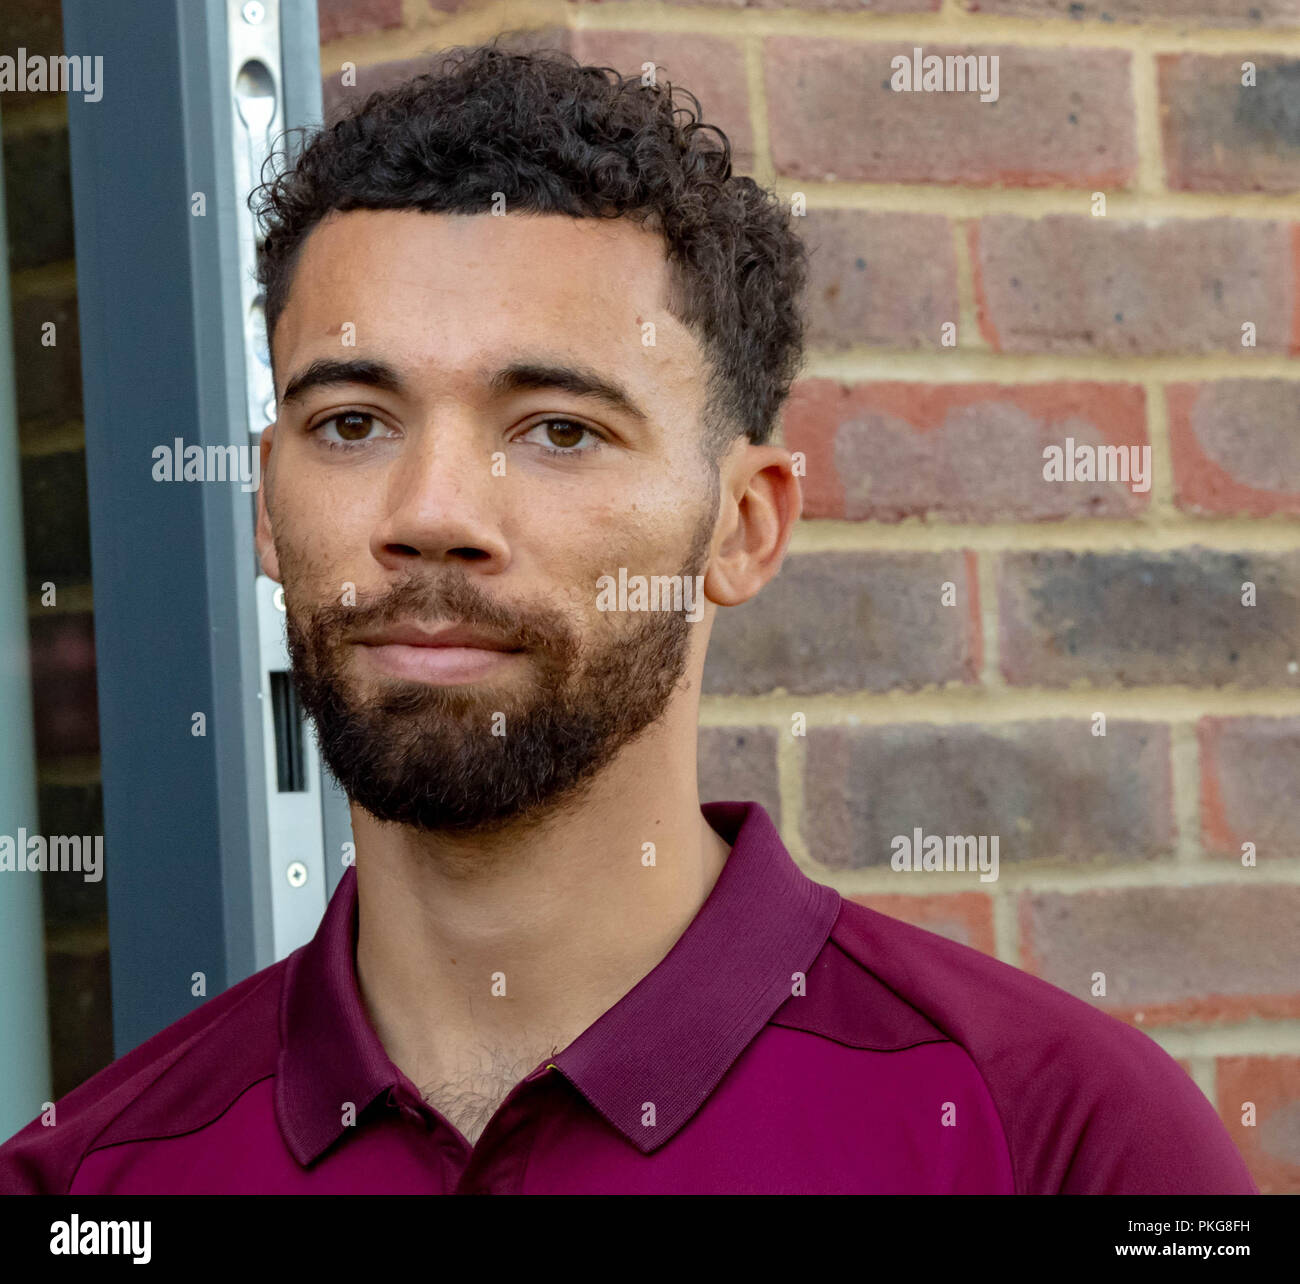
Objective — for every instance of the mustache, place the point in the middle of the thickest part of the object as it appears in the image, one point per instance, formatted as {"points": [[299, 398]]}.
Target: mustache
{"points": [[450, 599]]}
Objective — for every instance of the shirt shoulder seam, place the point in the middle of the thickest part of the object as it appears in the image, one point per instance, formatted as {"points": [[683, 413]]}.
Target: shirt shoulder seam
{"points": [[93, 1149], [970, 1056], [863, 1047], [172, 1058]]}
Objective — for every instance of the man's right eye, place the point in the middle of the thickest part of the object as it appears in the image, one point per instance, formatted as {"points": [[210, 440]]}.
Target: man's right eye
{"points": [[345, 429]]}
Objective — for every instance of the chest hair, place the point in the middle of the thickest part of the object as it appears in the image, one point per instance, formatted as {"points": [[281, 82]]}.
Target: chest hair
{"points": [[469, 1093]]}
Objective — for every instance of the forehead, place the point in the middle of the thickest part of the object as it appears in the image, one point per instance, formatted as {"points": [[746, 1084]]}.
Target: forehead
{"points": [[455, 292]]}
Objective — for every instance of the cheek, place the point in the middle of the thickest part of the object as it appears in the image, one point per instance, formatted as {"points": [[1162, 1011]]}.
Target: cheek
{"points": [[566, 562], [647, 542], [312, 554], [632, 535], [322, 529]]}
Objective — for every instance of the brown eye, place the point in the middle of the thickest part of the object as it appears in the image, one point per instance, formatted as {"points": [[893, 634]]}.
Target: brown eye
{"points": [[349, 428], [353, 425], [562, 433], [561, 438]]}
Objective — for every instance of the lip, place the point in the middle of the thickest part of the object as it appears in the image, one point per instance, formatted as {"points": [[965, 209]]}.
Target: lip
{"points": [[448, 656], [450, 635]]}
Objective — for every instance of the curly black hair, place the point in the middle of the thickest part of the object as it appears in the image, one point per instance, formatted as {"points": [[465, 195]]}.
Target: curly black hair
{"points": [[557, 137]]}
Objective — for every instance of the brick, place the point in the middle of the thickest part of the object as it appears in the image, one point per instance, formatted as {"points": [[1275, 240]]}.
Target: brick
{"points": [[63, 684], [1205, 13], [81, 1014], [56, 519], [1271, 1148], [1076, 284], [1050, 790], [340, 100], [1223, 136], [850, 622], [882, 280], [72, 902], [1250, 780], [738, 764], [48, 378], [38, 196], [711, 67], [1170, 954], [966, 917], [1149, 618], [1236, 446], [962, 452], [338, 18], [1063, 117]]}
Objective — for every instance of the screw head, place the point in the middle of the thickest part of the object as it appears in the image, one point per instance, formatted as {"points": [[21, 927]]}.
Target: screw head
{"points": [[297, 874], [253, 12]]}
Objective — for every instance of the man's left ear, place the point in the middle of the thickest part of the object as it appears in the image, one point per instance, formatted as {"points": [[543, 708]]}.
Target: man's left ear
{"points": [[762, 504]]}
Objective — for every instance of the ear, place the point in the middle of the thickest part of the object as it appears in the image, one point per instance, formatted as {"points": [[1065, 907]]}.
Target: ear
{"points": [[762, 501], [262, 536]]}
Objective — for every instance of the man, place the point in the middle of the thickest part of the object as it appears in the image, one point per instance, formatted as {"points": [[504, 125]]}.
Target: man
{"points": [[530, 340]]}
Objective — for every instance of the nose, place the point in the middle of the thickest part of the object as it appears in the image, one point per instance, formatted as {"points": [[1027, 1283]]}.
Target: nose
{"points": [[442, 502]]}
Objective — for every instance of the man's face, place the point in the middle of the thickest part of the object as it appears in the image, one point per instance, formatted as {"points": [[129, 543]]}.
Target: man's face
{"points": [[439, 495]]}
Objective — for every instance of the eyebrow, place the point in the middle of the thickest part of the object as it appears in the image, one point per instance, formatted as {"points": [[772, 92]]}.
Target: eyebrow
{"points": [[579, 381], [518, 376], [327, 373]]}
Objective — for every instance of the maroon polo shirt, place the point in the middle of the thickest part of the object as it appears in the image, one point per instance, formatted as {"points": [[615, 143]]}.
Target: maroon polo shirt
{"points": [[790, 1042]]}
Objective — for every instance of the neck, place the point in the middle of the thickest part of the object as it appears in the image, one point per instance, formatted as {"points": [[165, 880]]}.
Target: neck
{"points": [[517, 942]]}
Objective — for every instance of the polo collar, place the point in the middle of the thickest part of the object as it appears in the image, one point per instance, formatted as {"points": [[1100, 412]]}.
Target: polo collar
{"points": [[669, 1041]]}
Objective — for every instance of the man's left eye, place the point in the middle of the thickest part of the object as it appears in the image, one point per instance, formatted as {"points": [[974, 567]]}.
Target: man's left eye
{"points": [[562, 437]]}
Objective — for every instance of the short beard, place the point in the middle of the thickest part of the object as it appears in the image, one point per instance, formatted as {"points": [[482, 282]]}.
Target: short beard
{"points": [[425, 756]]}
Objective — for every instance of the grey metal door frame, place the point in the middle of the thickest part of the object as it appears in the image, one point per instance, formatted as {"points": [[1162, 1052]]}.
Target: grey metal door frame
{"points": [[194, 877]]}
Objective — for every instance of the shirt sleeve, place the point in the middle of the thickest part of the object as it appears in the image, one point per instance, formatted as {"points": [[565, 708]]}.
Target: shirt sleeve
{"points": [[1128, 1121]]}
